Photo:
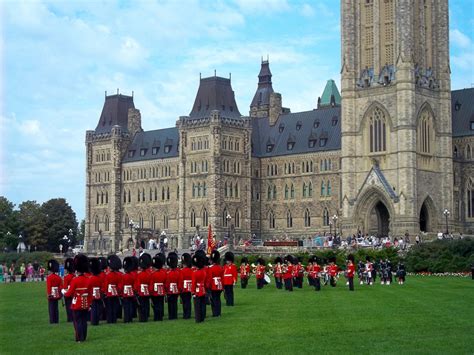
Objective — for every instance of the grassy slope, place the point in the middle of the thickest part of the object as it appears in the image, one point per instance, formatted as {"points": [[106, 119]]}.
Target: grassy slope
{"points": [[427, 315]]}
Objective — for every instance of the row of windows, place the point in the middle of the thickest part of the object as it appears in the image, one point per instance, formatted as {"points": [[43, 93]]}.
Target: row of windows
{"points": [[153, 194], [102, 176], [199, 190], [154, 151], [97, 224], [306, 167], [307, 190], [199, 143], [468, 152], [231, 167], [289, 219], [272, 169], [204, 218], [102, 155], [231, 189], [102, 198], [229, 143], [152, 172], [228, 219], [141, 223], [197, 167]]}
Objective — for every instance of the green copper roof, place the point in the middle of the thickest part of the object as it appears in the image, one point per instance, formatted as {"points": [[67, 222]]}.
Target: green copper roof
{"points": [[330, 89]]}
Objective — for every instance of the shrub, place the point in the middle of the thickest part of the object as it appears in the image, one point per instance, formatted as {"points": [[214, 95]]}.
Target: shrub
{"points": [[41, 257]]}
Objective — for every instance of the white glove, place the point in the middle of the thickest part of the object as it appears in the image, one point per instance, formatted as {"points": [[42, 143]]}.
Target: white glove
{"points": [[63, 291]]}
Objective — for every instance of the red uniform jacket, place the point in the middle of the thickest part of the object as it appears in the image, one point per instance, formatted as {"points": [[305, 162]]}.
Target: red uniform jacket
{"points": [[53, 286], [277, 270], [215, 273], [142, 283], [230, 274], [113, 284], [128, 281], [95, 283], [186, 279], [289, 272], [67, 281], [316, 270], [350, 270], [199, 282], [244, 271], [295, 270], [80, 292], [309, 270], [158, 283], [260, 272], [172, 282], [332, 270]]}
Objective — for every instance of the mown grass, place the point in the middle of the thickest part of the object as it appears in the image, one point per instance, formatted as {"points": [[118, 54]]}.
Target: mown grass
{"points": [[426, 315]]}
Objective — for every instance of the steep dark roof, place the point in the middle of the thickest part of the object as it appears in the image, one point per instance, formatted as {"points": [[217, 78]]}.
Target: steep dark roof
{"points": [[330, 93], [215, 93], [462, 112], [146, 141], [114, 112], [322, 124], [265, 88]]}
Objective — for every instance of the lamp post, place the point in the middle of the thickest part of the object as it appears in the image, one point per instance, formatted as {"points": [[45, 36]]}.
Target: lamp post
{"points": [[66, 243], [330, 227], [446, 215], [334, 221], [20, 243], [228, 219]]}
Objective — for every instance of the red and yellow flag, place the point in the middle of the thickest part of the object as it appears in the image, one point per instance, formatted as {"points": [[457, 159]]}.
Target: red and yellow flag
{"points": [[210, 241]]}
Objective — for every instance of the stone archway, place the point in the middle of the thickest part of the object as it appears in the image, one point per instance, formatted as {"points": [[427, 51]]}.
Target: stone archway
{"points": [[427, 211], [379, 220], [374, 211]]}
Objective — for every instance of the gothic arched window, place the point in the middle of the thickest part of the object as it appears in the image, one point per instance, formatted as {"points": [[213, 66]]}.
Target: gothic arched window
{"points": [[205, 218], [377, 131], [193, 218], [271, 220], [470, 199], [307, 218], [325, 217], [425, 133], [289, 219]]}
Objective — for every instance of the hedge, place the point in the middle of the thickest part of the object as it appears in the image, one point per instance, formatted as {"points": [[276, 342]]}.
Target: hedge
{"points": [[41, 257]]}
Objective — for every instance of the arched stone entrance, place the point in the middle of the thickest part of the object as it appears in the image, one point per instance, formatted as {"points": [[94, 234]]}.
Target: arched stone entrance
{"points": [[427, 210], [379, 220], [374, 211]]}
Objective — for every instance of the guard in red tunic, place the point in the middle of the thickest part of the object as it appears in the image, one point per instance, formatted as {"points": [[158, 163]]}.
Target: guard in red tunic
{"points": [[199, 287], [244, 272], [230, 278], [317, 274], [81, 294], [260, 273], [215, 273], [53, 290], [104, 270], [158, 287], [350, 271], [134, 273], [185, 284], [95, 283], [277, 272], [128, 295], [288, 272], [300, 273], [112, 288], [142, 284], [172, 285], [333, 269], [71, 273]]}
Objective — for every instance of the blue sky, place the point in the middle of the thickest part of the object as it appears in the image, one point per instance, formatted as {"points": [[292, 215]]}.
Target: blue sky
{"points": [[58, 57]]}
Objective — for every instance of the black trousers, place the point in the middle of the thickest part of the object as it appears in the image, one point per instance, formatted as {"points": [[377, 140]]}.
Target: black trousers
{"points": [[351, 283], [244, 282], [317, 284], [186, 300], [143, 308], [80, 324], [53, 311], [67, 304], [216, 303], [300, 281], [200, 309], [158, 304], [95, 312], [260, 283], [288, 284], [103, 309], [127, 303], [111, 305], [332, 281], [229, 295], [278, 283], [134, 308], [119, 310], [311, 281], [172, 307]]}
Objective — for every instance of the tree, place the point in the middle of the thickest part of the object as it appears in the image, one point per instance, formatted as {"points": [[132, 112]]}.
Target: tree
{"points": [[81, 232], [33, 224], [59, 219], [9, 226]]}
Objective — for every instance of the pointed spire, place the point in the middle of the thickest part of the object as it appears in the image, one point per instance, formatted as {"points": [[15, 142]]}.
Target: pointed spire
{"points": [[264, 89]]}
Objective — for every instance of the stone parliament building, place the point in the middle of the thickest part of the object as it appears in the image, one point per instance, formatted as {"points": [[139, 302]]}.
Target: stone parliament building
{"points": [[391, 154]]}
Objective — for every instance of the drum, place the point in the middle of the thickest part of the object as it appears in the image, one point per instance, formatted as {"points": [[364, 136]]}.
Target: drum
{"points": [[267, 279]]}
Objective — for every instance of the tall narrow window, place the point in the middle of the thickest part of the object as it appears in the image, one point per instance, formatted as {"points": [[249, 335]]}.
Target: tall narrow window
{"points": [[292, 192], [305, 193], [328, 188], [307, 218], [96, 223], [470, 199], [325, 217], [323, 188], [237, 219], [425, 133], [310, 189], [152, 221], [224, 217], [165, 221], [289, 220], [193, 218], [377, 131], [271, 220], [286, 192], [205, 218], [106, 223]]}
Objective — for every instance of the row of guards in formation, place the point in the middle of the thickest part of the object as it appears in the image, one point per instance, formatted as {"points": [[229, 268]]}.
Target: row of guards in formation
{"points": [[95, 289]]}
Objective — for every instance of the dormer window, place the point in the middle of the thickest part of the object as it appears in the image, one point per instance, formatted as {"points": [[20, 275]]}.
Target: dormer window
{"points": [[155, 150], [471, 125], [316, 124], [290, 145], [270, 147], [334, 120], [312, 143], [131, 153], [167, 148], [298, 125], [322, 142], [143, 152], [281, 127], [457, 106]]}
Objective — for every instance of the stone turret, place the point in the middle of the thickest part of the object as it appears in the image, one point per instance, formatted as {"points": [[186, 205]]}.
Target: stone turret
{"points": [[275, 108]]}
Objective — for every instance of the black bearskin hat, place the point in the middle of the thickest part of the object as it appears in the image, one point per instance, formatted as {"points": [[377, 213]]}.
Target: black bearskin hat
{"points": [[278, 260], [289, 259], [159, 261], [172, 260], [81, 263], [229, 256], [145, 261], [69, 265], [114, 262], [316, 259], [128, 264], [215, 256], [199, 260], [186, 260], [311, 259], [135, 263], [200, 252], [367, 258], [350, 257], [94, 266], [332, 259], [244, 260], [261, 261], [53, 265], [103, 263]]}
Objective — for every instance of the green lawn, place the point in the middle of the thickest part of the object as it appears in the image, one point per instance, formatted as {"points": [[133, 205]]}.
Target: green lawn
{"points": [[427, 315]]}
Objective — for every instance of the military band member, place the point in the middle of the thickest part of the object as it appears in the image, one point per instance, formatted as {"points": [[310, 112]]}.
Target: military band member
{"points": [[317, 274], [71, 273], [95, 283], [361, 271], [389, 271], [260, 273], [350, 271], [310, 272], [141, 287], [185, 284], [230, 278], [112, 288], [333, 270], [104, 270], [158, 287], [288, 272], [401, 273], [128, 295], [277, 272], [53, 290], [172, 285], [369, 267], [244, 272], [134, 273], [199, 287], [215, 274], [81, 294], [300, 273]]}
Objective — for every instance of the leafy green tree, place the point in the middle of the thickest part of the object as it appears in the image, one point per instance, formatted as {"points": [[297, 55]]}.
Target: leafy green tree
{"points": [[9, 226], [33, 224], [60, 219]]}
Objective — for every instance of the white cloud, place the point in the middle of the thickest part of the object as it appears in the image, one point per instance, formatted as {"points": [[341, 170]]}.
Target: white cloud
{"points": [[265, 6], [460, 39], [307, 10], [30, 128]]}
